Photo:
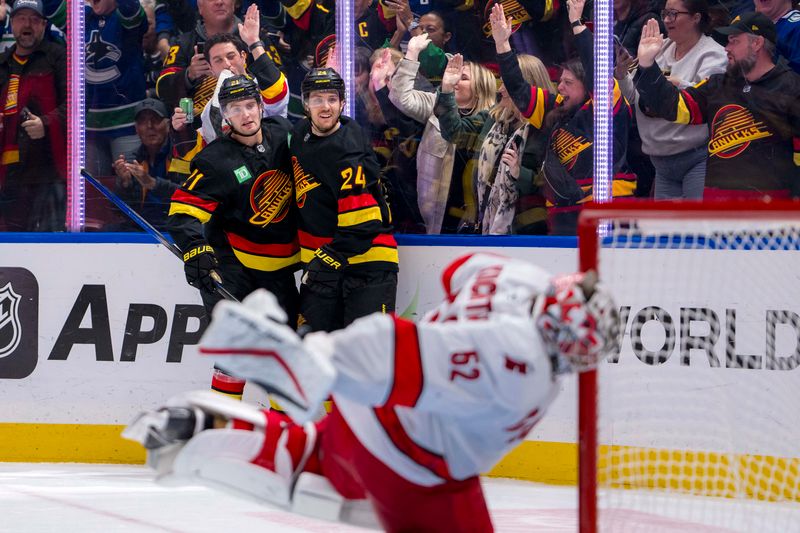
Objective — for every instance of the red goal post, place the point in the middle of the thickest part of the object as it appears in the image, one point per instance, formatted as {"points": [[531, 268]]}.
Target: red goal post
{"points": [[690, 230]]}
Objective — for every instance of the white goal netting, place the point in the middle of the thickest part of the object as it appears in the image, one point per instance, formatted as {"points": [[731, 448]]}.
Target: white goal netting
{"points": [[699, 409]]}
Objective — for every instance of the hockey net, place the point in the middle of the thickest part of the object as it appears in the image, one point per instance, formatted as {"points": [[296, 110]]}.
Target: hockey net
{"points": [[693, 423]]}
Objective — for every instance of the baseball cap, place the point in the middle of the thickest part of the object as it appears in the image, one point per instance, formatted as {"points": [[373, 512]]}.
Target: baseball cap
{"points": [[34, 5], [151, 104], [753, 23]]}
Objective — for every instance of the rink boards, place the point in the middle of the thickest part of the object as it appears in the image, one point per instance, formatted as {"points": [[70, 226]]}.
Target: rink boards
{"points": [[93, 331]]}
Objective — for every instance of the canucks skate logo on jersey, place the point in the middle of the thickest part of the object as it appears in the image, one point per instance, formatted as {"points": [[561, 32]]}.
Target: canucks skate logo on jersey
{"points": [[19, 322], [10, 328], [101, 59], [568, 147], [732, 131], [270, 197]]}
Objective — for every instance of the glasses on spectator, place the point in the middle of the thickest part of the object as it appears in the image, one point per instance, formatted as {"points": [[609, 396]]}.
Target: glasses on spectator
{"points": [[671, 14]]}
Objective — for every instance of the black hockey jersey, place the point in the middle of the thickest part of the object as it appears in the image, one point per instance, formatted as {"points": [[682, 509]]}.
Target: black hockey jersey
{"points": [[754, 143], [339, 196], [242, 198]]}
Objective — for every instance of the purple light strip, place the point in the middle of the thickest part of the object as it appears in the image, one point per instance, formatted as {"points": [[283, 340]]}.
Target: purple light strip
{"points": [[76, 135], [603, 100], [345, 24]]}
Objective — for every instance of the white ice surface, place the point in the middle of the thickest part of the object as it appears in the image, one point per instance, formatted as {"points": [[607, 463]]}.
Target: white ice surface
{"points": [[112, 498]]}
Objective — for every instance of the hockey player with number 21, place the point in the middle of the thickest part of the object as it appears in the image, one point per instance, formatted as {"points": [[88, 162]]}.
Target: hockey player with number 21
{"points": [[420, 410]]}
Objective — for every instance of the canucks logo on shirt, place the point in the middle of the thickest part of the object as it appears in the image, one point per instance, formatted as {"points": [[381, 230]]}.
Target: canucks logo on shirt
{"points": [[101, 59]]}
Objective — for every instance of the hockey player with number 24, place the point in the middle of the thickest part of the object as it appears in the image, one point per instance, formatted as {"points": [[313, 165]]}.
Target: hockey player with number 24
{"points": [[420, 410]]}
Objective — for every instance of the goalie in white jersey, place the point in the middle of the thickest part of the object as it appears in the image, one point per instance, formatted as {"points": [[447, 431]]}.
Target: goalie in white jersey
{"points": [[420, 410]]}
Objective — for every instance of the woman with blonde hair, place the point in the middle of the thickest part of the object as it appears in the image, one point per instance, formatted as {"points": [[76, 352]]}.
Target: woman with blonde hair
{"points": [[441, 195], [503, 161]]}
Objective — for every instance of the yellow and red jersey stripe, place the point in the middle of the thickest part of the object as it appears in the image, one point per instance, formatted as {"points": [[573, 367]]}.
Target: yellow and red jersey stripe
{"points": [[264, 257], [358, 209], [188, 204]]}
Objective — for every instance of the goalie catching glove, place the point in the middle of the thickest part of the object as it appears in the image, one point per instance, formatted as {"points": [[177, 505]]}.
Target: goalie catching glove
{"points": [[250, 340], [578, 320], [199, 264]]}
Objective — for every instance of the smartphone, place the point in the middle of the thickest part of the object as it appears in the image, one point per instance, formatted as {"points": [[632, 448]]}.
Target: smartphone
{"points": [[25, 114]]}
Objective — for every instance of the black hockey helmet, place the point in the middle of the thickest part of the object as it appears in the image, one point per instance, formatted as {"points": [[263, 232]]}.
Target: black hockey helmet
{"points": [[322, 79], [238, 87]]}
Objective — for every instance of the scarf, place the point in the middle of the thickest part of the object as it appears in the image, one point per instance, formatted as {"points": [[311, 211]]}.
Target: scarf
{"points": [[37, 92], [497, 188]]}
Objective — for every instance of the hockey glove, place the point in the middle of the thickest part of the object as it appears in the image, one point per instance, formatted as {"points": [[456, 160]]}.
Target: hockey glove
{"points": [[326, 267], [578, 320], [199, 262]]}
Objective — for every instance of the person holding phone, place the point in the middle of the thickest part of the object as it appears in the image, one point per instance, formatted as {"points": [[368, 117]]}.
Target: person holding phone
{"points": [[187, 72], [33, 93]]}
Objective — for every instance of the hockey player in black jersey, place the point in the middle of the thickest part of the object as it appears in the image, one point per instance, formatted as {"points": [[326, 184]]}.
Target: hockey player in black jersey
{"points": [[234, 213], [346, 243]]}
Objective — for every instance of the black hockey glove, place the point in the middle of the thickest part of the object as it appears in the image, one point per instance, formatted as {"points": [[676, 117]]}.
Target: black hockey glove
{"points": [[326, 267], [198, 263]]}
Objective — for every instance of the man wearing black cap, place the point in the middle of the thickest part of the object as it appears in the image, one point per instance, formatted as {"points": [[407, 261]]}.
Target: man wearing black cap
{"points": [[33, 90], [753, 111], [145, 182]]}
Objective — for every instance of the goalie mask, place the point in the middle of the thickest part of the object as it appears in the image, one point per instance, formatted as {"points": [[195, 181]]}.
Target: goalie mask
{"points": [[578, 320]]}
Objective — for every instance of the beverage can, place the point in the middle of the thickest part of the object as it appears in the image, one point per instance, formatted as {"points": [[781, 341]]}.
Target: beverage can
{"points": [[187, 106]]}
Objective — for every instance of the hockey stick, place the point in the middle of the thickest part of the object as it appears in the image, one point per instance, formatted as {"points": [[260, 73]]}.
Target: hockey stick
{"points": [[147, 227]]}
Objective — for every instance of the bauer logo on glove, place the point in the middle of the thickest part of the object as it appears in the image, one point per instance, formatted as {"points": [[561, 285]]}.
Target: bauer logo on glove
{"points": [[199, 264]]}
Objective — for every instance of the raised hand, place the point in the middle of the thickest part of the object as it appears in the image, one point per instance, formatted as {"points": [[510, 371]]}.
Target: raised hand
{"points": [[382, 70], [650, 44], [575, 9], [501, 28], [416, 45], [452, 73], [333, 60], [250, 29]]}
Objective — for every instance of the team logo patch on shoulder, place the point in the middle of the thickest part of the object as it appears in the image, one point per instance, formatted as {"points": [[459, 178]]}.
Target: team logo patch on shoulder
{"points": [[242, 174]]}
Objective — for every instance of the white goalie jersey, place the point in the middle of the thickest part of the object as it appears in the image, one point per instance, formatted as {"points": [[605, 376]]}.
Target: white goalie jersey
{"points": [[447, 398]]}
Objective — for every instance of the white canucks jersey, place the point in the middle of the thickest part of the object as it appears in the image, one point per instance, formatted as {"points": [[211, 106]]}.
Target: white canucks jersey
{"points": [[447, 398]]}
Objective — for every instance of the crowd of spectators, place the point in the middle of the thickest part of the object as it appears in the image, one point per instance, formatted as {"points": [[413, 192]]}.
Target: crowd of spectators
{"points": [[480, 113]]}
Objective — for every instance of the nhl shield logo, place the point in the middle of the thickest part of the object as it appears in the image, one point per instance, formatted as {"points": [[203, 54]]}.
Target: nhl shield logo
{"points": [[19, 323], [10, 327]]}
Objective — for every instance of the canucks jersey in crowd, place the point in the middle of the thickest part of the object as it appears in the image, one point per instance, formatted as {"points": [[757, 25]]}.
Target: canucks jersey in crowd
{"points": [[788, 29], [115, 80]]}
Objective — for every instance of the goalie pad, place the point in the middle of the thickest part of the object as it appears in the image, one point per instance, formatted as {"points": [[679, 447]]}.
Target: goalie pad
{"points": [[246, 341], [230, 460]]}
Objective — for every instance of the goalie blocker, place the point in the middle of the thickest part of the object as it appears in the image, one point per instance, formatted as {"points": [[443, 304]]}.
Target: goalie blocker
{"points": [[419, 410]]}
